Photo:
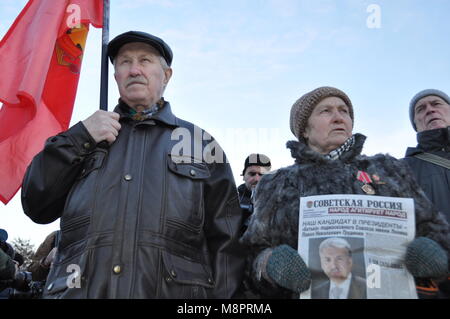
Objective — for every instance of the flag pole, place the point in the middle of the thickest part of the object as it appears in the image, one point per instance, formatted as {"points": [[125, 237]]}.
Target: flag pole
{"points": [[104, 64]]}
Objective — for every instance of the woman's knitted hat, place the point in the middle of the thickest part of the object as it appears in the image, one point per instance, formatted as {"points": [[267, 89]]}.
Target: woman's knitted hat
{"points": [[304, 106]]}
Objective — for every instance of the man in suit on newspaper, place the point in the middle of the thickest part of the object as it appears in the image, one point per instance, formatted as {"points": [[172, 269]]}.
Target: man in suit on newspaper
{"points": [[336, 262]]}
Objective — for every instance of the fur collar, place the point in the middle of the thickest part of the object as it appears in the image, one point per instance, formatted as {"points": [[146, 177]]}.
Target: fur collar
{"points": [[303, 153]]}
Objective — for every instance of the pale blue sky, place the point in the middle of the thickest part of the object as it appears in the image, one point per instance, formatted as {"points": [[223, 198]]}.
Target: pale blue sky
{"points": [[240, 65]]}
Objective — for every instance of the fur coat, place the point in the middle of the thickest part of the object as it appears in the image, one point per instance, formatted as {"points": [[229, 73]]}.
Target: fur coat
{"points": [[277, 200]]}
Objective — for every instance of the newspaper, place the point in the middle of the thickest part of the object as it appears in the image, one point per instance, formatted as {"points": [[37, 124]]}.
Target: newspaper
{"points": [[362, 241]]}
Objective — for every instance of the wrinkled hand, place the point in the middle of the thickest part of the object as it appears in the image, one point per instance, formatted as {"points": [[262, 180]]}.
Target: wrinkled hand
{"points": [[425, 258], [287, 269], [103, 126]]}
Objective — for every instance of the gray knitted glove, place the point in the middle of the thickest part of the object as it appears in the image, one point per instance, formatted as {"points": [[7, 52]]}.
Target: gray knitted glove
{"points": [[425, 258], [286, 268]]}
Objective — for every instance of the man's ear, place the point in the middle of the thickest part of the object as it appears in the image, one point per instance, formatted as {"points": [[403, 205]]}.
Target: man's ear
{"points": [[167, 75]]}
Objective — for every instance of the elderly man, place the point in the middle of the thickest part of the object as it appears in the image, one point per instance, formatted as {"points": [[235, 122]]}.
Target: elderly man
{"points": [[255, 166], [429, 113], [141, 218], [337, 263]]}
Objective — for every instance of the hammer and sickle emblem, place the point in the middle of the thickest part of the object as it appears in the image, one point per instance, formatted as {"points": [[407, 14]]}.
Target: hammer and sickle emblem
{"points": [[70, 48]]}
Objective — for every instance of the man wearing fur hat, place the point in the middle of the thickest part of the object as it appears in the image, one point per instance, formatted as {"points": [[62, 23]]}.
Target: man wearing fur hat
{"points": [[255, 166], [429, 112], [328, 161]]}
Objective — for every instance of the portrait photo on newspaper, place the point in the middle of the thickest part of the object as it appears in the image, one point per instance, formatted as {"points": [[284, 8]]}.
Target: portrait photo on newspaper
{"points": [[355, 246]]}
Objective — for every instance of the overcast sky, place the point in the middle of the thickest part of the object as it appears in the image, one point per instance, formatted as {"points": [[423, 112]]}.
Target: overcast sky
{"points": [[240, 65]]}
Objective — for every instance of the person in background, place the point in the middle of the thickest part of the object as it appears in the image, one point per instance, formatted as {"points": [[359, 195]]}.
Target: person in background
{"points": [[429, 112], [255, 166], [8, 266], [43, 258]]}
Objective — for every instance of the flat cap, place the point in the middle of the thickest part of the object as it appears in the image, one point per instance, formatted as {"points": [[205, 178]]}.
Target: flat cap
{"points": [[139, 36]]}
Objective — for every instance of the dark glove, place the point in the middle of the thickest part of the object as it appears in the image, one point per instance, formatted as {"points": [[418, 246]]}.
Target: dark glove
{"points": [[286, 268], [425, 258]]}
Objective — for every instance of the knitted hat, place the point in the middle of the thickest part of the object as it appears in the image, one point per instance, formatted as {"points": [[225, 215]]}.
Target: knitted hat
{"points": [[256, 160], [421, 95], [304, 106]]}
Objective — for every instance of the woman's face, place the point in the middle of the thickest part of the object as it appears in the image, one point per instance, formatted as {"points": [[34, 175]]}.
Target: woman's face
{"points": [[329, 125]]}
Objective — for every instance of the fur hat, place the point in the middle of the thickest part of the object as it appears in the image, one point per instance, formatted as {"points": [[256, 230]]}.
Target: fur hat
{"points": [[421, 95], [304, 106], [256, 160]]}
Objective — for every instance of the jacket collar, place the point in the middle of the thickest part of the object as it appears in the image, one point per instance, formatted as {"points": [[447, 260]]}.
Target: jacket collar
{"points": [[164, 115], [431, 141], [242, 189], [302, 153]]}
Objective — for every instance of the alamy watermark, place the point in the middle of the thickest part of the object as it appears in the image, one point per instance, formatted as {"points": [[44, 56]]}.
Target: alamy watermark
{"points": [[199, 146], [374, 19], [373, 276], [74, 18], [74, 279]]}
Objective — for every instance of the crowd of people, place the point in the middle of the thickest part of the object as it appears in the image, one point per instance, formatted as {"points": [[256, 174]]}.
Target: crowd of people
{"points": [[142, 217]]}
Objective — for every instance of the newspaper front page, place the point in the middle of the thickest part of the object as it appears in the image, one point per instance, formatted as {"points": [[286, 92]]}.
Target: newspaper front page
{"points": [[355, 246]]}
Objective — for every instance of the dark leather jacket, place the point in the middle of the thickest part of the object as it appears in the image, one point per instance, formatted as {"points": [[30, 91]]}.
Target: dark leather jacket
{"points": [[137, 220], [245, 200]]}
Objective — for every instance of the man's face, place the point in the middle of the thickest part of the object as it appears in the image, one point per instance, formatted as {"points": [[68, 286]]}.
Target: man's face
{"points": [[431, 112], [336, 263], [139, 75], [253, 174]]}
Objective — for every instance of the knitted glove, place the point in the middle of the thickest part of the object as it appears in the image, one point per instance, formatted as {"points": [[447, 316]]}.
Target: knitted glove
{"points": [[286, 268], [425, 258]]}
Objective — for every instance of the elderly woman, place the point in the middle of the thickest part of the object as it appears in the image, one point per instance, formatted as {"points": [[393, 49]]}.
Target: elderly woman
{"points": [[327, 161]]}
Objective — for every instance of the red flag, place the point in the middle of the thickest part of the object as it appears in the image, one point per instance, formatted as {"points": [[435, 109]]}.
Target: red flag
{"points": [[40, 63]]}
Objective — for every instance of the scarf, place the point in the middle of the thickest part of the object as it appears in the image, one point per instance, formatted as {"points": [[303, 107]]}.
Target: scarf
{"points": [[336, 154], [145, 114]]}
